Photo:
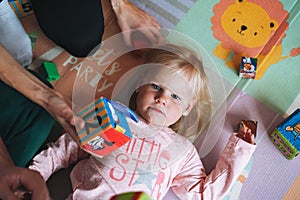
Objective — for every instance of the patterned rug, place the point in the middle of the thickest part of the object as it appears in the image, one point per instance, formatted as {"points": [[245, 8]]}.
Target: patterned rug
{"points": [[269, 98]]}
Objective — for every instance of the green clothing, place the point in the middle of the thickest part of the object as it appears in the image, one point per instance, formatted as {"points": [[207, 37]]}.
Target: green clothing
{"points": [[24, 125]]}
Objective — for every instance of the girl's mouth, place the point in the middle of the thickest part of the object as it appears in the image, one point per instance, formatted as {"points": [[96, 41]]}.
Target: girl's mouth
{"points": [[159, 110]]}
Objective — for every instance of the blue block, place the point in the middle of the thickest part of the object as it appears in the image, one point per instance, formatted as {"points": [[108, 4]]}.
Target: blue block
{"points": [[286, 136]]}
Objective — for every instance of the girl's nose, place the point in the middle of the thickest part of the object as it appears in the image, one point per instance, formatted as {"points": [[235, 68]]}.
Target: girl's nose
{"points": [[161, 99]]}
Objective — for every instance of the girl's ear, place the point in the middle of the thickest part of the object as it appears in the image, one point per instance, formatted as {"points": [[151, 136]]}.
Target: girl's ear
{"points": [[189, 107], [187, 110]]}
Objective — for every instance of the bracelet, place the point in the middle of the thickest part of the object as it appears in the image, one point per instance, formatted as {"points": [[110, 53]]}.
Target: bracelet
{"points": [[116, 5]]}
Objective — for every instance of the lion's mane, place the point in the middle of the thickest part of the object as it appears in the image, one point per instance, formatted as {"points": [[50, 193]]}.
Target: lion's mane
{"points": [[275, 12]]}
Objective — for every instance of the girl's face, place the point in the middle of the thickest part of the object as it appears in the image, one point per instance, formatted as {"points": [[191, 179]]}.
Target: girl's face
{"points": [[164, 99]]}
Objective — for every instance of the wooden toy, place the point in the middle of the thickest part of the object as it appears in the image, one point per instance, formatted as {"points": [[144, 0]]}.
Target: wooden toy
{"points": [[286, 136], [248, 67], [248, 124], [106, 128], [131, 196], [49, 71], [22, 8]]}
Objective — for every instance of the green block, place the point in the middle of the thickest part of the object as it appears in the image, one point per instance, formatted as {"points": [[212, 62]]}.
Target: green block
{"points": [[49, 71], [132, 196], [283, 145]]}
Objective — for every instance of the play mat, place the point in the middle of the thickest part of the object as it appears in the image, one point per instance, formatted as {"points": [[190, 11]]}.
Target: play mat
{"points": [[217, 26]]}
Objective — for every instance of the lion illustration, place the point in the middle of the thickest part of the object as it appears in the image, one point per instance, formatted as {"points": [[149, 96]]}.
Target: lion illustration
{"points": [[250, 28]]}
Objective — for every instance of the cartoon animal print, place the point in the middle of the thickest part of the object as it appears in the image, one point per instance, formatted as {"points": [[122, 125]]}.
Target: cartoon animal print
{"points": [[99, 143], [295, 130], [250, 28], [248, 68]]}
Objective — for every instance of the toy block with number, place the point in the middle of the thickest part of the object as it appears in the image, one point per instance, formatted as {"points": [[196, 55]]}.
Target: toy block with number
{"points": [[248, 67], [106, 127], [21, 8], [286, 136]]}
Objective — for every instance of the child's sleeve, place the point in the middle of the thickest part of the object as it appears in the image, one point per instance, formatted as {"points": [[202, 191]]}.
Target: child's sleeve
{"points": [[58, 155], [193, 183]]}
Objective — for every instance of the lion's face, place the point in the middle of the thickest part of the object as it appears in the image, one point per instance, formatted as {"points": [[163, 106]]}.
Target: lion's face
{"points": [[248, 24]]}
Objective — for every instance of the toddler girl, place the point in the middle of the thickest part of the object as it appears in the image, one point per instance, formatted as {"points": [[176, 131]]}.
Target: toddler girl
{"points": [[168, 102]]}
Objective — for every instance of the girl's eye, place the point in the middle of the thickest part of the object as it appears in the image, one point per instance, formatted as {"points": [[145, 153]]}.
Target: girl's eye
{"points": [[176, 97], [154, 86]]}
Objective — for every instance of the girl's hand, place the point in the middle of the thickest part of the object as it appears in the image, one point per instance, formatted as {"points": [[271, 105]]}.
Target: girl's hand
{"points": [[131, 17]]}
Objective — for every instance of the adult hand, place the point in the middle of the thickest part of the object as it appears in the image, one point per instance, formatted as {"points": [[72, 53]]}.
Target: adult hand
{"points": [[23, 81], [131, 17], [58, 107], [16, 181]]}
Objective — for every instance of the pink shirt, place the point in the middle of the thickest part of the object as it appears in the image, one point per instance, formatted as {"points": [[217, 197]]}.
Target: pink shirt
{"points": [[152, 163]]}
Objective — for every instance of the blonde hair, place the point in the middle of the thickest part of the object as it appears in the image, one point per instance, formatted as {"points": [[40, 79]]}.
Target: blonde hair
{"points": [[186, 62]]}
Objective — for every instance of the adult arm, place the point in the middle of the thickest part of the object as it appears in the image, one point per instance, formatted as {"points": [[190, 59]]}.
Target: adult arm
{"points": [[12, 178], [131, 17], [23, 81]]}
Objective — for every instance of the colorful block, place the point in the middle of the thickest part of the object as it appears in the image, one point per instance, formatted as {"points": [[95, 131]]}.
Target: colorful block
{"points": [[286, 136], [248, 67], [248, 124], [132, 196], [49, 71], [106, 128], [22, 8]]}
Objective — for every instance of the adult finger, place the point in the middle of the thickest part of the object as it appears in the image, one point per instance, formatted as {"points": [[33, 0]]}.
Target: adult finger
{"points": [[70, 129], [34, 182], [147, 32], [78, 122], [158, 35], [127, 37], [6, 193], [153, 22]]}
